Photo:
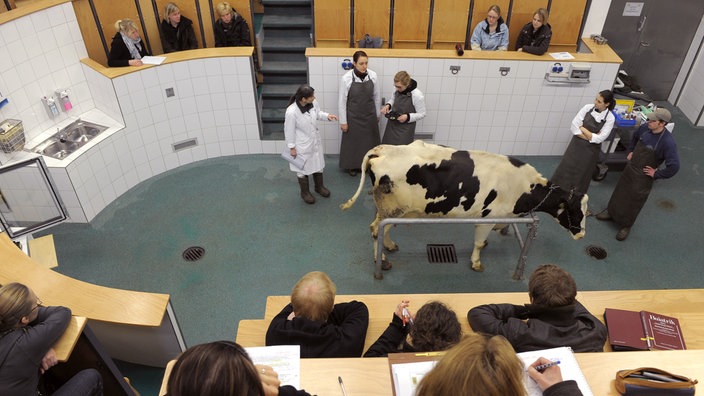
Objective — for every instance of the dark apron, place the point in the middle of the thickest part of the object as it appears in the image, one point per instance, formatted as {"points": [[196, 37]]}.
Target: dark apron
{"points": [[363, 126], [397, 132], [633, 187], [577, 165]]}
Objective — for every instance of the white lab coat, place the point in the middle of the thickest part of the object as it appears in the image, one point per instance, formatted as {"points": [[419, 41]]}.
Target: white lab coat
{"points": [[301, 131]]}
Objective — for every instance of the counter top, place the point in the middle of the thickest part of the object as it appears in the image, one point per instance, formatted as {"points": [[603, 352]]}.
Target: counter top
{"points": [[599, 54], [173, 57]]}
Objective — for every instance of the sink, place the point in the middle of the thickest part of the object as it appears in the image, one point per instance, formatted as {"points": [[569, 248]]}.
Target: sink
{"points": [[69, 139]]}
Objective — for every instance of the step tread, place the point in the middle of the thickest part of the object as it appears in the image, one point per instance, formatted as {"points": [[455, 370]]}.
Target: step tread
{"points": [[287, 20], [279, 90], [286, 43], [284, 67], [273, 115]]}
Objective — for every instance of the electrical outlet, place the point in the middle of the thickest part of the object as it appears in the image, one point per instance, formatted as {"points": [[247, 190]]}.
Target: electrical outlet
{"points": [[170, 92]]}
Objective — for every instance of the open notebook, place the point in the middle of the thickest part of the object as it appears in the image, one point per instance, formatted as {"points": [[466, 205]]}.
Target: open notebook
{"points": [[568, 366], [408, 369]]}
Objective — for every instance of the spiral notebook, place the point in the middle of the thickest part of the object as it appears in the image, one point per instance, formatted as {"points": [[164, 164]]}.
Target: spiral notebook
{"points": [[568, 366]]}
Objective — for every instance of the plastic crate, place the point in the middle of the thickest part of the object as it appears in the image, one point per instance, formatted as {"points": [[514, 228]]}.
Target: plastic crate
{"points": [[623, 122]]}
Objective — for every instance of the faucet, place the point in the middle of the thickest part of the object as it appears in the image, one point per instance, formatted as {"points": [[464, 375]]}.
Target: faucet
{"points": [[61, 136]]}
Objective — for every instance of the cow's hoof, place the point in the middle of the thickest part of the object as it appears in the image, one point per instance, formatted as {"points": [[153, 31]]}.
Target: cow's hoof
{"points": [[393, 248], [386, 265], [479, 268]]}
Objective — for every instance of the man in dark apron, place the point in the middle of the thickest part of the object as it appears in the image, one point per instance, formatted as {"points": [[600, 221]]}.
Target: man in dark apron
{"points": [[651, 145], [405, 108], [360, 124]]}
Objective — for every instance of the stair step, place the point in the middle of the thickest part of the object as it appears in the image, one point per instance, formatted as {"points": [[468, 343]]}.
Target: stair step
{"points": [[287, 21], [279, 3], [286, 44], [273, 115], [278, 90], [272, 131], [284, 68]]}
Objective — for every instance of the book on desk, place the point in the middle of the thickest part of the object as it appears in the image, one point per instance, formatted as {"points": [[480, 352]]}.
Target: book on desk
{"points": [[642, 331], [408, 369]]}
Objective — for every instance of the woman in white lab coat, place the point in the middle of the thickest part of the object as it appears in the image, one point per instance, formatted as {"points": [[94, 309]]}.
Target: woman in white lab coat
{"points": [[303, 139]]}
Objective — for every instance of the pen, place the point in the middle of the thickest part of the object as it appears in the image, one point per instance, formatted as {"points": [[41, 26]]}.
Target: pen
{"points": [[543, 367], [342, 386], [407, 315]]}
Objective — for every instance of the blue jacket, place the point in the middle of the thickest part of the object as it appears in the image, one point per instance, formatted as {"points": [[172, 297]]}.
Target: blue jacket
{"points": [[490, 41]]}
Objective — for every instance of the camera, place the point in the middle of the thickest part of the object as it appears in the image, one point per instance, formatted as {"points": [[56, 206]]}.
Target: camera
{"points": [[392, 115]]}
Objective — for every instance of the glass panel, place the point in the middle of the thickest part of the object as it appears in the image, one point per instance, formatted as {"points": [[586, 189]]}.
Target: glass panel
{"points": [[28, 200]]}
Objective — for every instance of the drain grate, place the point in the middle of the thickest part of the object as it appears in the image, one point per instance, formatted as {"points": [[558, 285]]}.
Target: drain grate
{"points": [[193, 253], [441, 253], [596, 252]]}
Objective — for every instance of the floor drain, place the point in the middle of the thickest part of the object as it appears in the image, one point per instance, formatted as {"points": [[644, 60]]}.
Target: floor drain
{"points": [[193, 253], [441, 253], [596, 252]]}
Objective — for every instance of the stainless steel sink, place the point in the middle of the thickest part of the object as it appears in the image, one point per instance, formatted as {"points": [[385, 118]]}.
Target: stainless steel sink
{"points": [[69, 139]]}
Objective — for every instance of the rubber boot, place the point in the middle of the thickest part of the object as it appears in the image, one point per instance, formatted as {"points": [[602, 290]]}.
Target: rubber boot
{"points": [[319, 187], [305, 192]]}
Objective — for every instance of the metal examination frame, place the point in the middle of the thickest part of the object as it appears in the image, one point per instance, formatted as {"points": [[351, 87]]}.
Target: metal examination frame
{"points": [[531, 220]]}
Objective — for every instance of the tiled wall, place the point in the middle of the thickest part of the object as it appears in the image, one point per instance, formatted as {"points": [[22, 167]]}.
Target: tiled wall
{"points": [[214, 103], [40, 53], [477, 108]]}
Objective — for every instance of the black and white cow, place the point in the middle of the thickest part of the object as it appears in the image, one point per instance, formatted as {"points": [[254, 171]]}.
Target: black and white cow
{"points": [[427, 180]]}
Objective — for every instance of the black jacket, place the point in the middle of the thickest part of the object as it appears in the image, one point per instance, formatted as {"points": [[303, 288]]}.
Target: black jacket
{"points": [[530, 327], [536, 43], [564, 388], [119, 54], [179, 38], [342, 335], [391, 341], [236, 34]]}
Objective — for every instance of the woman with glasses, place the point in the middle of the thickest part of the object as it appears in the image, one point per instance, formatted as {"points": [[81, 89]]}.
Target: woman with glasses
{"points": [[27, 333], [223, 368], [591, 126], [405, 107], [491, 34]]}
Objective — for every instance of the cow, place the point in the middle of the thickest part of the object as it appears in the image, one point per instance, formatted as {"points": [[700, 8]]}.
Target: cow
{"points": [[427, 180]]}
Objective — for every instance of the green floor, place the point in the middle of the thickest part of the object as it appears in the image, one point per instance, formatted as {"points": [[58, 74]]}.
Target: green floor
{"points": [[260, 238]]}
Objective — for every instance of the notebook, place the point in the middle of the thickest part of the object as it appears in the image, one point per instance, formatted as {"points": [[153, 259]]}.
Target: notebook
{"points": [[568, 366]]}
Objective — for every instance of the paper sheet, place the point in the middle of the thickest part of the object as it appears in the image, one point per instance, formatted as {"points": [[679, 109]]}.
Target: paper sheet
{"points": [[153, 60], [407, 376], [561, 55], [285, 359], [568, 366]]}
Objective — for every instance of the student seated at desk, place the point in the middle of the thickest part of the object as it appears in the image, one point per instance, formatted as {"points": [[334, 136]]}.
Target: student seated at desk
{"points": [[488, 366], [27, 333], [321, 327], [553, 318], [434, 328], [127, 48], [223, 368]]}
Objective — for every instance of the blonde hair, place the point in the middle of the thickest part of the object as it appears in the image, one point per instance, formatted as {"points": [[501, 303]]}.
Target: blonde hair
{"points": [[495, 8], [169, 9], [403, 77], [543, 15], [224, 8], [16, 302], [125, 26], [313, 297], [478, 365]]}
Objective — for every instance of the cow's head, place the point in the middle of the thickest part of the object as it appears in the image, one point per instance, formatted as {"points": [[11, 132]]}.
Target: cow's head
{"points": [[568, 208]]}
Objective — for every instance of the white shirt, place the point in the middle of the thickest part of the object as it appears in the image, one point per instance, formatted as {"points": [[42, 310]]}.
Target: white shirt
{"points": [[605, 131], [346, 83]]}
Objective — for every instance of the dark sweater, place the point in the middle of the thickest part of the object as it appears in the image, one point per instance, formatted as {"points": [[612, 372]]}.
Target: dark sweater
{"points": [[533, 42], [392, 340], [179, 38], [119, 54], [25, 348], [531, 327], [342, 335], [235, 34], [564, 388]]}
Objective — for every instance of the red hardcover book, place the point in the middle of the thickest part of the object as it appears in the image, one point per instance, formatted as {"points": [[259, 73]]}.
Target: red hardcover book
{"points": [[662, 332], [625, 330]]}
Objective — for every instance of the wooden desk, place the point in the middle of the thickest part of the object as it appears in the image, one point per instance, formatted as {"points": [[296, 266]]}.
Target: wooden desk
{"points": [[370, 376], [64, 346], [684, 304]]}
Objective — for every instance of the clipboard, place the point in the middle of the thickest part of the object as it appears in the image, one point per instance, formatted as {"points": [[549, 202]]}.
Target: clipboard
{"points": [[299, 162], [407, 369]]}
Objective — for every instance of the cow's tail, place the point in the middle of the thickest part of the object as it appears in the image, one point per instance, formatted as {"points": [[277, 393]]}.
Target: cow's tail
{"points": [[352, 200]]}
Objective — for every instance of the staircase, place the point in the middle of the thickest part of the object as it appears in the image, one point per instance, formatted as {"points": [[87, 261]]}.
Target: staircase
{"points": [[286, 28]]}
